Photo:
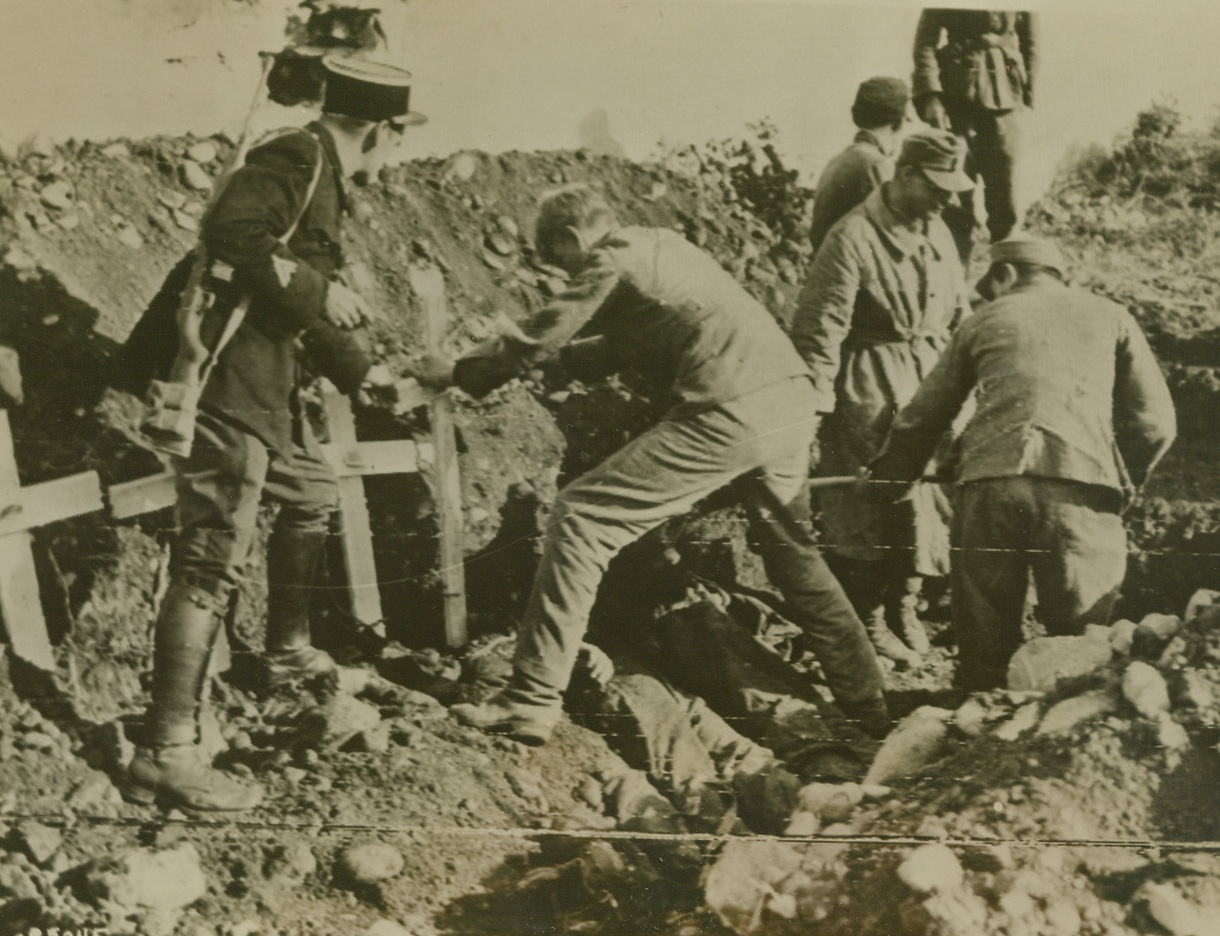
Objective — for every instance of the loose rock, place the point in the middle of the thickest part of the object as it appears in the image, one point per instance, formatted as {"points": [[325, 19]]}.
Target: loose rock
{"points": [[1022, 721], [130, 237], [40, 842], [203, 152], [57, 195], [1122, 636], [1144, 687], [1065, 715], [971, 718], [1171, 909], [161, 881], [1042, 662], [332, 725], [370, 862], [914, 743], [194, 176], [740, 883], [930, 869]]}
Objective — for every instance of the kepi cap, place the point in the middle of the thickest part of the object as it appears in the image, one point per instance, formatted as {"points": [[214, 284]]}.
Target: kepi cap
{"points": [[1024, 248], [941, 157], [368, 88], [880, 99]]}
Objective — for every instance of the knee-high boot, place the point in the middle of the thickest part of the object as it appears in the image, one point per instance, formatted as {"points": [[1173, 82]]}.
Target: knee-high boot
{"points": [[292, 564], [865, 584], [170, 768]]}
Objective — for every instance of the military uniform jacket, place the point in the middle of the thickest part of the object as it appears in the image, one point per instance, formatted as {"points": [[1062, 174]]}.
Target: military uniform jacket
{"points": [[255, 379], [987, 59], [1067, 388], [652, 303], [881, 300], [846, 181]]}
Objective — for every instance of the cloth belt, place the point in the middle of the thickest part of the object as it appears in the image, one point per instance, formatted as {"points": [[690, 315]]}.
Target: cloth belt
{"points": [[867, 340]]}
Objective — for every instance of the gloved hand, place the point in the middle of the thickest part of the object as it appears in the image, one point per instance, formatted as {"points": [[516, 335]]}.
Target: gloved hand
{"points": [[872, 490], [594, 661]]}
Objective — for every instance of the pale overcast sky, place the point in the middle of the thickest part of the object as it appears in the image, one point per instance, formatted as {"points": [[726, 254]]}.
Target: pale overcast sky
{"points": [[527, 74]]}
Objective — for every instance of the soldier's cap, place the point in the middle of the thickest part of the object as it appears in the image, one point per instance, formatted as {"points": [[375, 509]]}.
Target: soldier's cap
{"points": [[1025, 248], [940, 156], [881, 98], [368, 88]]}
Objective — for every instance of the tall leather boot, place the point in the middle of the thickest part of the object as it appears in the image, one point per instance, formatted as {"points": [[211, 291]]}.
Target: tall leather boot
{"points": [[902, 612], [292, 564], [526, 710], [171, 769], [865, 583], [885, 641]]}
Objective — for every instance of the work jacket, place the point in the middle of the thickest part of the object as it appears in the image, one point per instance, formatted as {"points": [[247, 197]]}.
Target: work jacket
{"points": [[255, 379], [649, 302], [881, 299], [1067, 388], [987, 59], [846, 181]]}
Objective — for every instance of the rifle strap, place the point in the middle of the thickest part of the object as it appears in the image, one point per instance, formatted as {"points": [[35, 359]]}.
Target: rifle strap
{"points": [[238, 314]]}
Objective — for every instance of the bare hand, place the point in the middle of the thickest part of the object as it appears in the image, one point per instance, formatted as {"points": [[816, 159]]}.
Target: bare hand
{"points": [[344, 308], [596, 663], [434, 370], [934, 113]]}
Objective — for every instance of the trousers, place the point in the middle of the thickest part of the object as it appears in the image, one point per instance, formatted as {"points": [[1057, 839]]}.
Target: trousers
{"points": [[760, 443], [220, 486], [1068, 534], [993, 140]]}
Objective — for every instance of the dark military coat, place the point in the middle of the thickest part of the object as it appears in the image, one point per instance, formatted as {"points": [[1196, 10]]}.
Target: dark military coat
{"points": [[983, 58], [255, 380]]}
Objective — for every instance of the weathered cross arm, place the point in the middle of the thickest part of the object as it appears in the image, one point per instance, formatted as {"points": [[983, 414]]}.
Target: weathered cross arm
{"points": [[24, 508]]}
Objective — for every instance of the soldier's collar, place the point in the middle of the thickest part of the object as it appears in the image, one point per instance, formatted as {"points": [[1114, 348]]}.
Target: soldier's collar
{"points": [[903, 238], [332, 155]]}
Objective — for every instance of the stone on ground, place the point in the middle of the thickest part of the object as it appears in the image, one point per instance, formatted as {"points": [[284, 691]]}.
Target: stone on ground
{"points": [[144, 881], [1042, 662], [931, 869], [1144, 687], [738, 886], [370, 862], [916, 742], [1066, 714]]}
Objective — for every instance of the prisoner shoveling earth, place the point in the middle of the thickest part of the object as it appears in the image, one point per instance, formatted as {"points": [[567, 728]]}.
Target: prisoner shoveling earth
{"points": [[702, 781]]}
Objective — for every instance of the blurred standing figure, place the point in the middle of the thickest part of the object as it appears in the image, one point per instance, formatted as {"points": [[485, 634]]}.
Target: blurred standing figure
{"points": [[1073, 414], [884, 293], [974, 75], [880, 109]]}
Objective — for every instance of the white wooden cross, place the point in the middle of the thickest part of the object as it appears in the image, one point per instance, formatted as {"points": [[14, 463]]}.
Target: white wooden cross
{"points": [[22, 509], [351, 460]]}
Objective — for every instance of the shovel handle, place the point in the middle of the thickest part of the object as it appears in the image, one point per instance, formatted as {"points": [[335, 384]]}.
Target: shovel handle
{"points": [[838, 481]]}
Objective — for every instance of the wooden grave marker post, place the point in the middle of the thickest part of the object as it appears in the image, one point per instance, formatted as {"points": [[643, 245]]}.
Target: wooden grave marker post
{"points": [[353, 461], [428, 284], [22, 509]]}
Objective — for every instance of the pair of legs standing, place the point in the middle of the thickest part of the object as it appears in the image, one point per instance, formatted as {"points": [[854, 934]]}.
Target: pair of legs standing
{"points": [[760, 443], [1069, 535], [993, 140], [220, 487]]}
